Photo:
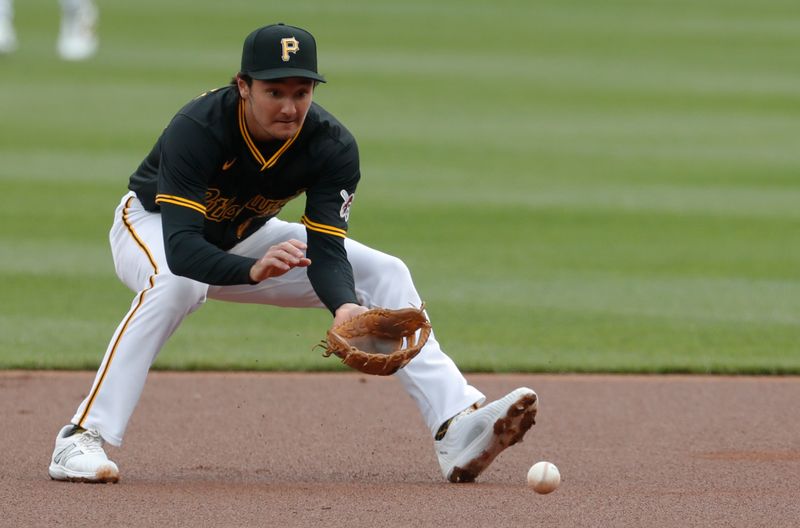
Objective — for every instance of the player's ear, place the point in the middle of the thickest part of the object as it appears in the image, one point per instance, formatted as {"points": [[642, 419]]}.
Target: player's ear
{"points": [[244, 88]]}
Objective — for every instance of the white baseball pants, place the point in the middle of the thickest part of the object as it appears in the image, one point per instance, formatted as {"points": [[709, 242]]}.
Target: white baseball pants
{"points": [[163, 300]]}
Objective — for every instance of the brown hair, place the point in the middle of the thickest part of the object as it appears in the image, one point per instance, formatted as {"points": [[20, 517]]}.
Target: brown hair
{"points": [[243, 76]]}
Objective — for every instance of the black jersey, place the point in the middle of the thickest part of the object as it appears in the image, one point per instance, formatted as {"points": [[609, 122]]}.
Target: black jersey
{"points": [[214, 186]]}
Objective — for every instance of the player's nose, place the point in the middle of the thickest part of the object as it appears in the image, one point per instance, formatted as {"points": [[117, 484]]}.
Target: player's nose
{"points": [[289, 108]]}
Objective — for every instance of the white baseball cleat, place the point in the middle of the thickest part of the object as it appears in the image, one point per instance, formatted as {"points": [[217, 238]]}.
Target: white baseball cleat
{"points": [[474, 438], [8, 37], [77, 38], [80, 457]]}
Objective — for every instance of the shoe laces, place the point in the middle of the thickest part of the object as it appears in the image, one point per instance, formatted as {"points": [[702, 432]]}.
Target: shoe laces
{"points": [[465, 412], [90, 441], [449, 423]]}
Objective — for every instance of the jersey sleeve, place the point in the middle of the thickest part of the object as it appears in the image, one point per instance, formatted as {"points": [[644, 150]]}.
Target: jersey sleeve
{"points": [[188, 155], [326, 219]]}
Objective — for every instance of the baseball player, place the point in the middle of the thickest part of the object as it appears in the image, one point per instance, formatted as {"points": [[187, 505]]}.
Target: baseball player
{"points": [[199, 222], [77, 36]]}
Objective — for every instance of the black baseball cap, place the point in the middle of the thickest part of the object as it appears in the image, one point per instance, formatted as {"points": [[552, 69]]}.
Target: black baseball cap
{"points": [[278, 51]]}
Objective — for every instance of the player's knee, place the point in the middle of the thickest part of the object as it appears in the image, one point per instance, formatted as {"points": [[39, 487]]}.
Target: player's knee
{"points": [[393, 269], [180, 292]]}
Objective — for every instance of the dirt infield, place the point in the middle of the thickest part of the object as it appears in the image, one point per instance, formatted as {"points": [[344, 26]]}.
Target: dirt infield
{"points": [[246, 449]]}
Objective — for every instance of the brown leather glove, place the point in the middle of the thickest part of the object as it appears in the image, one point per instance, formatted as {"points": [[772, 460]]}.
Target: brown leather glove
{"points": [[379, 341]]}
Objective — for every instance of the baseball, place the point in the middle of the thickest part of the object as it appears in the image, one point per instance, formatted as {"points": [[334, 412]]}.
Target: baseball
{"points": [[544, 477]]}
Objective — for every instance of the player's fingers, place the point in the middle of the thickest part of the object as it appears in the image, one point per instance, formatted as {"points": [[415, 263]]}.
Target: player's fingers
{"points": [[279, 259], [289, 247], [269, 264], [289, 259], [298, 244], [288, 256]]}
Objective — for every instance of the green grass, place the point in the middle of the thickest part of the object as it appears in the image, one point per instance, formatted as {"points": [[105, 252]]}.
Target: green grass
{"points": [[576, 185]]}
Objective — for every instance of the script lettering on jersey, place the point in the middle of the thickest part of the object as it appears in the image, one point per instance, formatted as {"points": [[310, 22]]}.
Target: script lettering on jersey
{"points": [[266, 207], [220, 208], [289, 45]]}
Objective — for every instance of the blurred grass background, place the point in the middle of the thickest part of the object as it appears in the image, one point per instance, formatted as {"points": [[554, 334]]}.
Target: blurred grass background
{"points": [[576, 185]]}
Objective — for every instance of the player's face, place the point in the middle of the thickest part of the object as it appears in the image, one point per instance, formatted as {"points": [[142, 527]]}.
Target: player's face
{"points": [[276, 109]]}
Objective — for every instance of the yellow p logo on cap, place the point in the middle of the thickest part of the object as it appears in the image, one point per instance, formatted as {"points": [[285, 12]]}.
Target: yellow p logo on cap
{"points": [[289, 45]]}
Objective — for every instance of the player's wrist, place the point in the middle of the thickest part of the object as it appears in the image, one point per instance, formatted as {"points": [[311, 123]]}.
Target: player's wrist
{"points": [[347, 311]]}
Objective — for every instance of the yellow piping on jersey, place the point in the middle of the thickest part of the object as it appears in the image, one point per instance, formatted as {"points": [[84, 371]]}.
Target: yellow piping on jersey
{"points": [[265, 164], [323, 228], [177, 200], [126, 322]]}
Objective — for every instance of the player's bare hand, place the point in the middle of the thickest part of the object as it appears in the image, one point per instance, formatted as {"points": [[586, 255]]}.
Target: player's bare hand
{"points": [[347, 311], [279, 259]]}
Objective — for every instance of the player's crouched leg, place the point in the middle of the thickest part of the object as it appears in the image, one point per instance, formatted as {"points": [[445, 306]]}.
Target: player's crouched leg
{"points": [[175, 296], [156, 311], [381, 279]]}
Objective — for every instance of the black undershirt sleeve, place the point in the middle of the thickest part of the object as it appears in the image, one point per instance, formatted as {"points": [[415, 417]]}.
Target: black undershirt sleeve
{"points": [[330, 273], [190, 255]]}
